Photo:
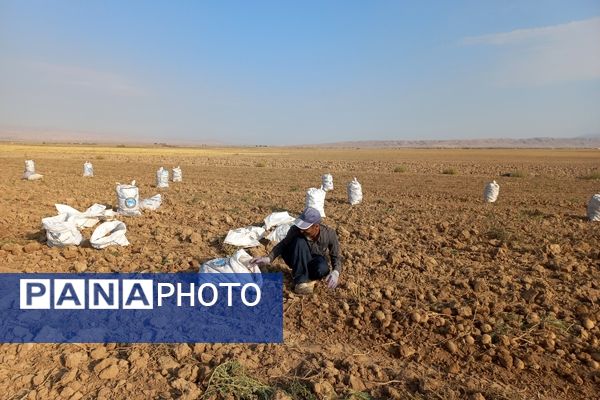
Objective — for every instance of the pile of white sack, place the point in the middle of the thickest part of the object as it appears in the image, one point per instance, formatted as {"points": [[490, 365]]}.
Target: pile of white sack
{"points": [[355, 195], [593, 208], [30, 173], [278, 223], [490, 192], [177, 177], [282, 221], [109, 233], [162, 178], [64, 228], [88, 169], [245, 237], [85, 219], [128, 200]]}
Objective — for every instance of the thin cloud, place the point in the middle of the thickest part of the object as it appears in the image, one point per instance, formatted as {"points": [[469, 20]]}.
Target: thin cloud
{"points": [[546, 55], [92, 79], [587, 27]]}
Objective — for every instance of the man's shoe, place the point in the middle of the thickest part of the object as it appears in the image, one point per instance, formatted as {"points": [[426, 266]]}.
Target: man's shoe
{"points": [[305, 287]]}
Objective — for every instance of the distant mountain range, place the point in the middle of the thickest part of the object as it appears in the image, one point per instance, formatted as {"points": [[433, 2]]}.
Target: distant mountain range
{"points": [[42, 136], [93, 138], [586, 142]]}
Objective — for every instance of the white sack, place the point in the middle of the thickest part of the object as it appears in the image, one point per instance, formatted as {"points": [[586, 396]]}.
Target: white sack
{"points": [[177, 177], [108, 215], [60, 232], [238, 263], [327, 180], [215, 266], [86, 219], [354, 192], [32, 176], [593, 209], [490, 192], [128, 199], [151, 203], [162, 178], [109, 233], [29, 166], [315, 198], [278, 218], [65, 209], [29, 173], [279, 233], [88, 169], [245, 237]]}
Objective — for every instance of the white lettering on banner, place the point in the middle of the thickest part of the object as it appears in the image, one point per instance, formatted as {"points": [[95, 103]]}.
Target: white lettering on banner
{"points": [[243, 294], [181, 293], [162, 295], [201, 295], [126, 294], [229, 285]]}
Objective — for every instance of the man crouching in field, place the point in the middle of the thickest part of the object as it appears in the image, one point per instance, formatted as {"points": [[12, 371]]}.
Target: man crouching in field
{"points": [[304, 249]]}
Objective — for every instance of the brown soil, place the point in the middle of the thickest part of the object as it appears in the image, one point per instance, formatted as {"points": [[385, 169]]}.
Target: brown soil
{"points": [[442, 296]]}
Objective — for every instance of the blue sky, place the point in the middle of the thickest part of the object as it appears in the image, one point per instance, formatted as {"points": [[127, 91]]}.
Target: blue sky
{"points": [[278, 72]]}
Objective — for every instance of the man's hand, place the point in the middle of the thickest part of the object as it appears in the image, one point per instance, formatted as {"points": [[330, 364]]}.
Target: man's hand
{"points": [[332, 279], [260, 260]]}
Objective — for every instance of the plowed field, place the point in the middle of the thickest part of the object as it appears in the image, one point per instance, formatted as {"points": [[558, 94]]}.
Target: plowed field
{"points": [[441, 297]]}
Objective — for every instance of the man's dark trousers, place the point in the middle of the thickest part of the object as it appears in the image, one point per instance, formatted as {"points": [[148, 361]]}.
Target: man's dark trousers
{"points": [[305, 265]]}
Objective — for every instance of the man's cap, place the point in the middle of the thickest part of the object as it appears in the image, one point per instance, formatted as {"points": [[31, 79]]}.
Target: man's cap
{"points": [[308, 217]]}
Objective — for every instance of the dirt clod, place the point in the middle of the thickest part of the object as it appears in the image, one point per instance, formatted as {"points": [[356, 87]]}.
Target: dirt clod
{"points": [[99, 353], [74, 359], [110, 372], [451, 347]]}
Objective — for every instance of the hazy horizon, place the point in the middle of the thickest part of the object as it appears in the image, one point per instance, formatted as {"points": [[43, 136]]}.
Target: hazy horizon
{"points": [[65, 138], [271, 73]]}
